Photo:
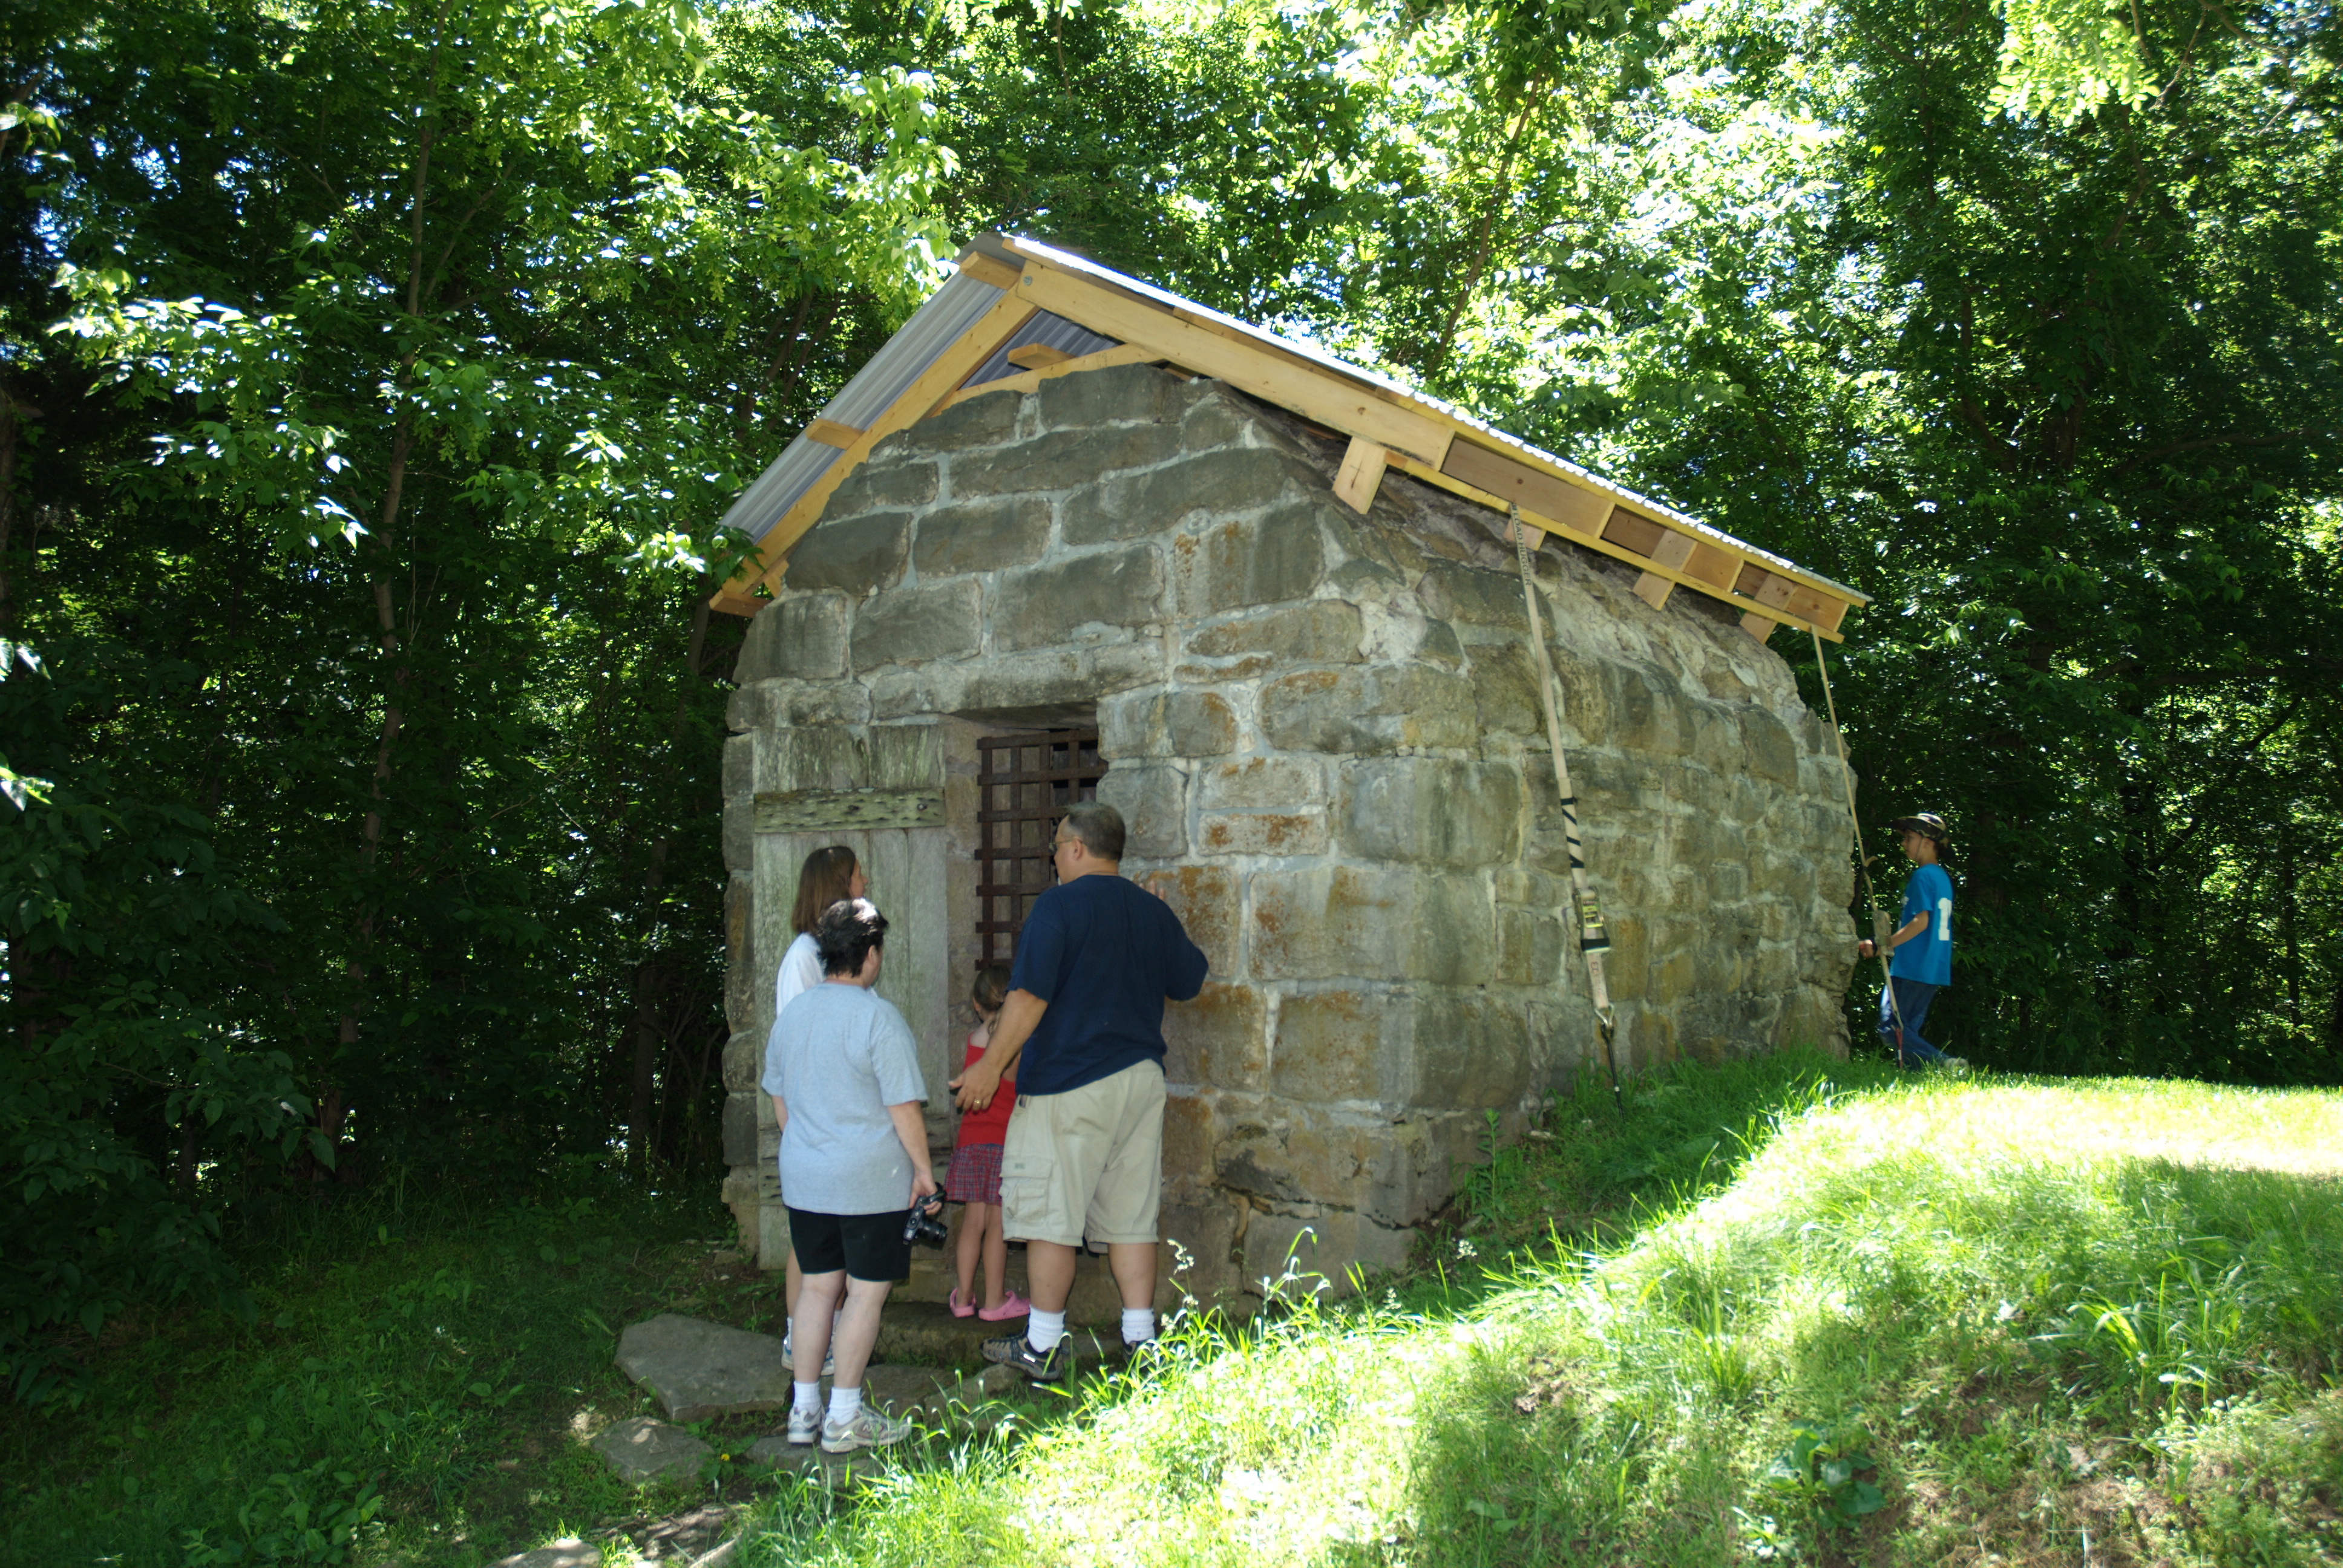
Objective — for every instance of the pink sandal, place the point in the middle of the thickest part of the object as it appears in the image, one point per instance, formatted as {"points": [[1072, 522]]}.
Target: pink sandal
{"points": [[1012, 1305], [960, 1308]]}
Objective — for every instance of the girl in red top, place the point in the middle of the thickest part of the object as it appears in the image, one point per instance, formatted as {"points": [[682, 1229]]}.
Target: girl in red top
{"points": [[974, 1179]]}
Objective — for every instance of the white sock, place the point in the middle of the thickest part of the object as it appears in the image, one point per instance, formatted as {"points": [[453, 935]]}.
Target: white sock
{"points": [[1044, 1330], [845, 1403], [809, 1395], [1137, 1325]]}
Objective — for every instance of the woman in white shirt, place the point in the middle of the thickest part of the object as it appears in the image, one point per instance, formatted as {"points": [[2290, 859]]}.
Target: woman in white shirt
{"points": [[828, 876]]}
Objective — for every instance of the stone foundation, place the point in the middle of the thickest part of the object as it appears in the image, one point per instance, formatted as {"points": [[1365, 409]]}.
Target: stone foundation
{"points": [[1324, 733]]}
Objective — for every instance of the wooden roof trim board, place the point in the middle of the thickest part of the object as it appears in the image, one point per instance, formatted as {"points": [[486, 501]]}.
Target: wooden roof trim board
{"points": [[1423, 436]]}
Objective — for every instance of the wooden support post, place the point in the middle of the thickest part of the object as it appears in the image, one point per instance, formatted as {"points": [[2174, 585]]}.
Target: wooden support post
{"points": [[1362, 474], [1037, 356], [1672, 550]]}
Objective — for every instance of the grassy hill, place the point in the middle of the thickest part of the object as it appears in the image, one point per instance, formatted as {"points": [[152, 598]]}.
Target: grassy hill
{"points": [[1924, 1323], [1787, 1311]]}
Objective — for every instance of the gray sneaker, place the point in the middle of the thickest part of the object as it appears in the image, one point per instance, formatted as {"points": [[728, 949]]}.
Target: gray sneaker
{"points": [[1017, 1350], [789, 1358], [869, 1429], [805, 1424]]}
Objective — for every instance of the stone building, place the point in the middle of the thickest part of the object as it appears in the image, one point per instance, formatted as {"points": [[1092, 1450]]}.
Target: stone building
{"points": [[1068, 536]]}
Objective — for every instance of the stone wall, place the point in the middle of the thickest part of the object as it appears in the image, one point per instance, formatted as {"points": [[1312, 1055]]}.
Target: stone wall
{"points": [[1324, 733]]}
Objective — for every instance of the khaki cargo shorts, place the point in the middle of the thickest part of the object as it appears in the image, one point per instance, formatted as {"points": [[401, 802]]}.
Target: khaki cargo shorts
{"points": [[1086, 1163]]}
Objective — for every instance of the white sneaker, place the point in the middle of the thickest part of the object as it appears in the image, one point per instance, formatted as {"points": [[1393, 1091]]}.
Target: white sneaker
{"points": [[869, 1429], [805, 1424]]}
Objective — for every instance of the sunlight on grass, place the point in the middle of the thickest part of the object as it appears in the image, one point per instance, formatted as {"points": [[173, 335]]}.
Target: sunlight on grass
{"points": [[1984, 1292]]}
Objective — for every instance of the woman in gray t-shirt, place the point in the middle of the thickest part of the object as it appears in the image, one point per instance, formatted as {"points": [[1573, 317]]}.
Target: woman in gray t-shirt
{"points": [[844, 1074]]}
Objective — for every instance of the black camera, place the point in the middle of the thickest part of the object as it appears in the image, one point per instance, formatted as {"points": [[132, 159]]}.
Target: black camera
{"points": [[924, 1225]]}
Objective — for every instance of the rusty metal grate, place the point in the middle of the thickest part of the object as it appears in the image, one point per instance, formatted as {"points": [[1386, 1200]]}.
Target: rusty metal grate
{"points": [[1024, 784]]}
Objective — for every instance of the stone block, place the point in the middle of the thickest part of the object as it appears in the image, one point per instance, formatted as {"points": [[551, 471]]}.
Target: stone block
{"points": [[740, 833], [1153, 799], [1216, 418], [1322, 631], [1201, 1238], [801, 636], [1050, 603], [1159, 499], [1471, 1051], [699, 1370], [1440, 646], [854, 555], [1367, 712], [977, 422], [1529, 947], [1429, 812], [1218, 1039], [1332, 1244], [1772, 750], [740, 1120], [1332, 922], [797, 704], [740, 764], [1062, 459], [1190, 1136], [1167, 724], [1118, 393], [1019, 688], [1476, 596], [1261, 833], [1341, 1045], [1646, 714], [640, 1450], [1277, 556], [1261, 781], [1582, 694], [739, 951], [914, 625], [1715, 738], [1205, 899], [744, 1062], [889, 480], [986, 535]]}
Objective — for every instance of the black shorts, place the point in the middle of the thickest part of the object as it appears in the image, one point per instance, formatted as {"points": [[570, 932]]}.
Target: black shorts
{"points": [[867, 1246]]}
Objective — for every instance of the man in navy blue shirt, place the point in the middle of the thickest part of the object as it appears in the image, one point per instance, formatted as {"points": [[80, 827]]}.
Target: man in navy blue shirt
{"points": [[1095, 962], [1921, 949]]}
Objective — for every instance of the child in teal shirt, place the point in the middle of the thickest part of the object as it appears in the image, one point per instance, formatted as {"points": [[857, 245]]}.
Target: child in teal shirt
{"points": [[1920, 962]]}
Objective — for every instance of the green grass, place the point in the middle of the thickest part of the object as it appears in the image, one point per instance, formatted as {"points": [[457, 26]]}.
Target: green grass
{"points": [[2004, 1316], [1786, 1310], [405, 1393]]}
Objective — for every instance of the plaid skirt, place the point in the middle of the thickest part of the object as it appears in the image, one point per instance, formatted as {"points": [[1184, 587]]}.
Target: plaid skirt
{"points": [[975, 1174]]}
